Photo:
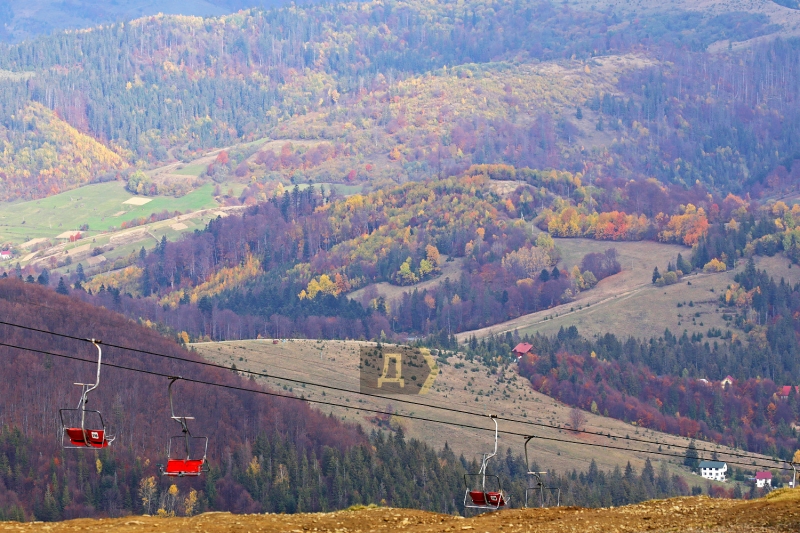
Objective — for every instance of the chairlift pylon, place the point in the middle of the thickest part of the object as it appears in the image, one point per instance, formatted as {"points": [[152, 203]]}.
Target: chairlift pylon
{"points": [[78, 432], [477, 496], [537, 492], [184, 462]]}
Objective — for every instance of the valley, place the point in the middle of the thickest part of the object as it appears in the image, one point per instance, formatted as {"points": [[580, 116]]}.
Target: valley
{"points": [[586, 213]]}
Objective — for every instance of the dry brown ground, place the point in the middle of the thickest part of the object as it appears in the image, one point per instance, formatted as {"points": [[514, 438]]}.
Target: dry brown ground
{"points": [[779, 513]]}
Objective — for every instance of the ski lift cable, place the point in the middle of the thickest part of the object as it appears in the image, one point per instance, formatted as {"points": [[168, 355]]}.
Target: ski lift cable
{"points": [[378, 411], [607, 435]]}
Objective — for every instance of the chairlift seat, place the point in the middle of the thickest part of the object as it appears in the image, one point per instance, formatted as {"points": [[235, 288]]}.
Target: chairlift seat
{"points": [[495, 499], [487, 499], [477, 497], [184, 467], [93, 438]]}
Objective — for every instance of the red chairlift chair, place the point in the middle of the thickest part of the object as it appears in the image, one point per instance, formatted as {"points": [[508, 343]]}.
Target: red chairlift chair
{"points": [[477, 496], [185, 461], [76, 430], [543, 496]]}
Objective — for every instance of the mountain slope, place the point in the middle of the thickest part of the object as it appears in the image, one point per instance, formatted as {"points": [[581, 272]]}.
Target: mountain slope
{"points": [[372, 81], [47, 155]]}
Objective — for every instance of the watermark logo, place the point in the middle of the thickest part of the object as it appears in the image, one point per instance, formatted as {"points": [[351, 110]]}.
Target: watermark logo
{"points": [[397, 370]]}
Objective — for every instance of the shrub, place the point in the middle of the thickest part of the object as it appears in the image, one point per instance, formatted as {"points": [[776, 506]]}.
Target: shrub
{"points": [[715, 265]]}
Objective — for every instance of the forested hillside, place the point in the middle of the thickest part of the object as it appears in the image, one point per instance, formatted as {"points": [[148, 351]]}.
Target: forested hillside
{"points": [[266, 453], [672, 383], [627, 96]]}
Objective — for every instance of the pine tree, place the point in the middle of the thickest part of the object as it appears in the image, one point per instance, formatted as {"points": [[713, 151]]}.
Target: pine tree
{"points": [[579, 113], [656, 274], [81, 274], [691, 458], [62, 287]]}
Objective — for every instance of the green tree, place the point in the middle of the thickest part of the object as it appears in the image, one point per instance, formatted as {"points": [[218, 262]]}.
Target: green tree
{"points": [[683, 265], [691, 458], [62, 287], [656, 274]]}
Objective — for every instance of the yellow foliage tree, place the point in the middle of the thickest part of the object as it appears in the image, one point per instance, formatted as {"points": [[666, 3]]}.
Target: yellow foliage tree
{"points": [[715, 265]]}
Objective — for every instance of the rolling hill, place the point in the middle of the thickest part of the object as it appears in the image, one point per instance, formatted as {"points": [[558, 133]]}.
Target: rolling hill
{"points": [[459, 384]]}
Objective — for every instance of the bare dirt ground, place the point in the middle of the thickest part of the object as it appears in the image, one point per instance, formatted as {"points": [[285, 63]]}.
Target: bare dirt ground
{"points": [[469, 388], [777, 513]]}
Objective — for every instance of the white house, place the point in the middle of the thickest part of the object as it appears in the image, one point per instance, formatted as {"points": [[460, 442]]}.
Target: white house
{"points": [[714, 470], [763, 479]]}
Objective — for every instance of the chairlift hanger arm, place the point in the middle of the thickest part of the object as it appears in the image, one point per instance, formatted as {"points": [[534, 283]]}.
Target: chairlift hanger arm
{"points": [[494, 419], [527, 463]]}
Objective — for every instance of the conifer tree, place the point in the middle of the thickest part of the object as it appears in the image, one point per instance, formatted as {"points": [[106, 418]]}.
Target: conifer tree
{"points": [[62, 287], [691, 457]]}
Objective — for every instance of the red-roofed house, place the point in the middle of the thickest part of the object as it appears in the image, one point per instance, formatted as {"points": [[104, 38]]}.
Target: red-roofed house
{"points": [[6, 254], [763, 478], [521, 349], [783, 392], [727, 381]]}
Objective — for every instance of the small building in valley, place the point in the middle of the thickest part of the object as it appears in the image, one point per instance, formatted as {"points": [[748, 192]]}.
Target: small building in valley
{"points": [[713, 470], [785, 391], [521, 349], [763, 479]]}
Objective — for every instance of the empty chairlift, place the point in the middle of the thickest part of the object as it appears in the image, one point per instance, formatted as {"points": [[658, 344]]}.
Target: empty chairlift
{"points": [[537, 492], [82, 427], [484, 491], [184, 457]]}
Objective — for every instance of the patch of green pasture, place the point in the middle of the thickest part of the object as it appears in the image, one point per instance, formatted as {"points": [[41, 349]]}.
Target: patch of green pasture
{"points": [[100, 206], [190, 170]]}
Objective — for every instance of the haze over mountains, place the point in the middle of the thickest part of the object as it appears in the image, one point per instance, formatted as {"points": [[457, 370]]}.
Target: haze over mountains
{"points": [[463, 175], [21, 20]]}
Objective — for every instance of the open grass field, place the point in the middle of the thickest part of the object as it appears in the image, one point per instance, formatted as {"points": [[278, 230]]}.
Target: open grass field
{"points": [[194, 169], [467, 387], [777, 512], [629, 304], [101, 206]]}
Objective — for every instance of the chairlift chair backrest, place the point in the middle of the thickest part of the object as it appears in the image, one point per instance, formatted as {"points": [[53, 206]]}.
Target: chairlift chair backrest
{"points": [[76, 431], [479, 497], [187, 463]]}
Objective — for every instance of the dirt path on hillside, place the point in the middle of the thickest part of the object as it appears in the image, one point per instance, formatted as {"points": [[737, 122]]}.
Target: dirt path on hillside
{"points": [[580, 306], [779, 513], [637, 260]]}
